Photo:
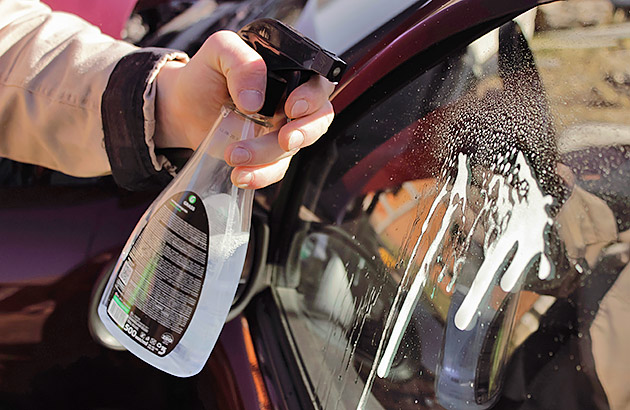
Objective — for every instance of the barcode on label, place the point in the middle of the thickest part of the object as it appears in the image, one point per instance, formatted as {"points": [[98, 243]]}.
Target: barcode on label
{"points": [[117, 313], [125, 273]]}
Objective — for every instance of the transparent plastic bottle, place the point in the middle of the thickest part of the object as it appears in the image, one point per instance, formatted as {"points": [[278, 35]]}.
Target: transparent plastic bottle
{"points": [[176, 277], [172, 287]]}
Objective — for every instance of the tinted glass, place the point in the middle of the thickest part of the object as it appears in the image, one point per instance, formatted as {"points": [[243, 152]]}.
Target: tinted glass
{"points": [[463, 242]]}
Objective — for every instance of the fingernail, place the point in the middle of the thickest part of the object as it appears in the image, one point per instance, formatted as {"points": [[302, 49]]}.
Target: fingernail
{"points": [[299, 108], [250, 100], [296, 139], [243, 180], [239, 156]]}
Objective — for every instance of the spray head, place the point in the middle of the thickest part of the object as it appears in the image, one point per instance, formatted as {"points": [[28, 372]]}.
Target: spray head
{"points": [[290, 57]]}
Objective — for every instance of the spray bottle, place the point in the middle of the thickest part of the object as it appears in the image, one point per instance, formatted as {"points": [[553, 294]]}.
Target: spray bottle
{"points": [[172, 287]]}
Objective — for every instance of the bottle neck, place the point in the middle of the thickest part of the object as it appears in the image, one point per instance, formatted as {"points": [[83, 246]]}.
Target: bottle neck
{"points": [[232, 126], [259, 119]]}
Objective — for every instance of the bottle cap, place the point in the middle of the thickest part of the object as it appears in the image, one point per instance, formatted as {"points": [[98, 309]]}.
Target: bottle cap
{"points": [[291, 59]]}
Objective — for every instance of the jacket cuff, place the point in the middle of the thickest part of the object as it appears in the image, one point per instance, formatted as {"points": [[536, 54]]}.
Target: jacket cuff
{"points": [[127, 110]]}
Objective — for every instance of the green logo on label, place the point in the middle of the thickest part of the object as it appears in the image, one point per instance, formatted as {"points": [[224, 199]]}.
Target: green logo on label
{"points": [[192, 199]]}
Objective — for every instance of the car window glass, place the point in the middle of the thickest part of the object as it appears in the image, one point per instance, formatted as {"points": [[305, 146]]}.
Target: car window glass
{"points": [[320, 15], [463, 240]]}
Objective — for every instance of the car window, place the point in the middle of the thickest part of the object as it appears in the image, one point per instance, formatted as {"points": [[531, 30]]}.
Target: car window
{"points": [[319, 16], [463, 240]]}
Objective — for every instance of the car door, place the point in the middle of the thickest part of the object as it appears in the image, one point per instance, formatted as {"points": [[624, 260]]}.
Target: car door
{"points": [[458, 239]]}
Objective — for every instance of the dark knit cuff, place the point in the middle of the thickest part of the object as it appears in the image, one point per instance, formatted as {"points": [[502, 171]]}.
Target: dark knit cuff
{"points": [[130, 154]]}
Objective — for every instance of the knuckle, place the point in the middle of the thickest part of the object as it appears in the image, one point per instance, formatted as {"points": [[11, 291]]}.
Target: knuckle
{"points": [[218, 40]]}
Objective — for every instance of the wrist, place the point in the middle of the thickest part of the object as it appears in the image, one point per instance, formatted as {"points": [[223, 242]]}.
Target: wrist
{"points": [[169, 132]]}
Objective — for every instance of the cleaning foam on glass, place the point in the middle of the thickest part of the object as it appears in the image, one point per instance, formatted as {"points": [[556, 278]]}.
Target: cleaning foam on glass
{"points": [[171, 290]]}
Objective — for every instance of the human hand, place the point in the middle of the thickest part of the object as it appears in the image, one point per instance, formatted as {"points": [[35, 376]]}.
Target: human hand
{"points": [[190, 96]]}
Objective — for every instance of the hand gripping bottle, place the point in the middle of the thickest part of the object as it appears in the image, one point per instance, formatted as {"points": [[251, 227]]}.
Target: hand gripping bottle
{"points": [[175, 280]]}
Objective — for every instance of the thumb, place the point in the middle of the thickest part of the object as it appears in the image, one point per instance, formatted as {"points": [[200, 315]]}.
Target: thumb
{"points": [[243, 68]]}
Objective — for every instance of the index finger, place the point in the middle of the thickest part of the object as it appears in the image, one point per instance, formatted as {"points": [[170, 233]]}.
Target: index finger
{"points": [[309, 97]]}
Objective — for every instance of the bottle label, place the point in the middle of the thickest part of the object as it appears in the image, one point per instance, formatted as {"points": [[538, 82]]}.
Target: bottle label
{"points": [[159, 283]]}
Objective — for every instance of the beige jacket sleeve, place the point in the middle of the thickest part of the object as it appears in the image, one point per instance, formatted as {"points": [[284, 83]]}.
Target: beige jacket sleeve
{"points": [[54, 68]]}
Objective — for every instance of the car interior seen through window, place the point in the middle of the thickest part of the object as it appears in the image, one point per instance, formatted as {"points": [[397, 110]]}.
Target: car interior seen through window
{"points": [[470, 220]]}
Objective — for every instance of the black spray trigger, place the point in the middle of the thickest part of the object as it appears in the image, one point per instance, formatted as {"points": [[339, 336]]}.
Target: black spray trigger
{"points": [[291, 59], [279, 86], [274, 93], [297, 79]]}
